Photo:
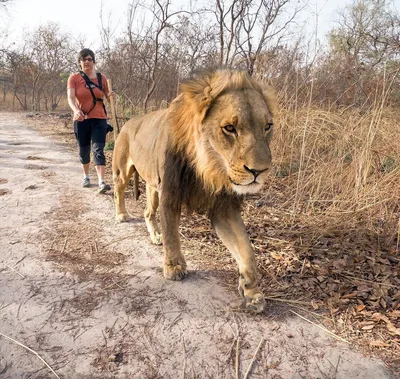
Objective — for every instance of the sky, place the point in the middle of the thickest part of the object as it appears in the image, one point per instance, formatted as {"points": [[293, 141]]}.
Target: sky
{"points": [[82, 17]]}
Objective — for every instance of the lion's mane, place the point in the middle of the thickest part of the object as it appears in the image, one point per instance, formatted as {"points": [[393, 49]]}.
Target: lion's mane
{"points": [[199, 178]]}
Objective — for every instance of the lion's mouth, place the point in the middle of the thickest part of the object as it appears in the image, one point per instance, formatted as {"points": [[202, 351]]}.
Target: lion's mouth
{"points": [[242, 189], [254, 182]]}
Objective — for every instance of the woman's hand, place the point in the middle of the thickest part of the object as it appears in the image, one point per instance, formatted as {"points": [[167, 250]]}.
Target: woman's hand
{"points": [[110, 94], [78, 115]]}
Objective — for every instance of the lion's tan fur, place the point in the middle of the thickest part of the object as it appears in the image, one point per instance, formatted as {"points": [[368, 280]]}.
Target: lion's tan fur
{"points": [[206, 150], [187, 111]]}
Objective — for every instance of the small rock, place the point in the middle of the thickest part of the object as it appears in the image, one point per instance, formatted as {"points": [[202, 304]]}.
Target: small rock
{"points": [[116, 358]]}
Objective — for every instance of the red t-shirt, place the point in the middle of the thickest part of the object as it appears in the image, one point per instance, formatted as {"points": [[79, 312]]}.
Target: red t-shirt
{"points": [[84, 97]]}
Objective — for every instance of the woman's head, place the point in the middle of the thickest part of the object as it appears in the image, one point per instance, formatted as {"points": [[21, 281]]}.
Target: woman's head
{"points": [[86, 54]]}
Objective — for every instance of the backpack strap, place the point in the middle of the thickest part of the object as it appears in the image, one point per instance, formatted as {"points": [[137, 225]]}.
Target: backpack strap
{"points": [[99, 81], [90, 85]]}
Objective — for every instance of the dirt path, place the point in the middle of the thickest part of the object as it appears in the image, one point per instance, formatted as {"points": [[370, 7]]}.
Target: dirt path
{"points": [[88, 297]]}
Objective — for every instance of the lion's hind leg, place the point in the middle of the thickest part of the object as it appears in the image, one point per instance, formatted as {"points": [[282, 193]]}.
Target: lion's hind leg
{"points": [[121, 178], [152, 202]]}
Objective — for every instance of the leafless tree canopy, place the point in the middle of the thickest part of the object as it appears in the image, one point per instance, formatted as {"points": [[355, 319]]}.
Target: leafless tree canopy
{"points": [[162, 43]]}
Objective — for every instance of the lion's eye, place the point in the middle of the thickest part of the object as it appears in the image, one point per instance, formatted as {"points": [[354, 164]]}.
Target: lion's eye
{"points": [[268, 127], [230, 129]]}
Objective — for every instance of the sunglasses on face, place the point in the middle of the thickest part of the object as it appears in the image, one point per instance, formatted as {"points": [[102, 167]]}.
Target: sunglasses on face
{"points": [[88, 59]]}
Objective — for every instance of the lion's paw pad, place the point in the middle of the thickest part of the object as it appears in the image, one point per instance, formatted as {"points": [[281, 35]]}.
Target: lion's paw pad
{"points": [[255, 304], [156, 239], [174, 272], [122, 217]]}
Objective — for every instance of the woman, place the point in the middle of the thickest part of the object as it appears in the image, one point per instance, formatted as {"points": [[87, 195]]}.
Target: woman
{"points": [[90, 119]]}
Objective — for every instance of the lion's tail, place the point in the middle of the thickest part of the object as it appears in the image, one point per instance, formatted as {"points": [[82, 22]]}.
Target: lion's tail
{"points": [[136, 191]]}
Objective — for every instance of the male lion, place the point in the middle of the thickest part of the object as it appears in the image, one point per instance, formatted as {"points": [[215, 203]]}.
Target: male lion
{"points": [[208, 149]]}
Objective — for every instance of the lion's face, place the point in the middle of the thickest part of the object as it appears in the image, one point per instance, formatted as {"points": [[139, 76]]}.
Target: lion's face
{"points": [[234, 139]]}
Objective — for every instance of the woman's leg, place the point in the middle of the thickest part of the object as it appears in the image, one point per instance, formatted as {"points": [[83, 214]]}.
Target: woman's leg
{"points": [[83, 132], [99, 132]]}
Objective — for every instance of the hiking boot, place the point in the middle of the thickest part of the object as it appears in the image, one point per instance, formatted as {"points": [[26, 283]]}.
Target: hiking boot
{"points": [[85, 182], [103, 187]]}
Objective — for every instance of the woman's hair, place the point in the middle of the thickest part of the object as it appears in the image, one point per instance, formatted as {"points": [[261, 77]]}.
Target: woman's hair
{"points": [[86, 53]]}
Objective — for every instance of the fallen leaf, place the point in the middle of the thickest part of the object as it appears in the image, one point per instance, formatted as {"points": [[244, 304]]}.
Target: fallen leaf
{"points": [[360, 308], [368, 327], [314, 305], [378, 343], [392, 329]]}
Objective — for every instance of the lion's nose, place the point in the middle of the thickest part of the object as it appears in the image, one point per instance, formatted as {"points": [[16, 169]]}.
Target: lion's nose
{"points": [[255, 172]]}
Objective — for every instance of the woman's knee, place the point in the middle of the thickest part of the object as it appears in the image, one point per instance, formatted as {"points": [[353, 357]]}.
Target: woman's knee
{"points": [[98, 154], [84, 154]]}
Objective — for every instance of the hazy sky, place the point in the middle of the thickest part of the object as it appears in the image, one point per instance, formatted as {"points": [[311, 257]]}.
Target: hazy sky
{"points": [[81, 17]]}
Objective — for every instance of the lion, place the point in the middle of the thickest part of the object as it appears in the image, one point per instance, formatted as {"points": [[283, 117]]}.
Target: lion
{"points": [[204, 152]]}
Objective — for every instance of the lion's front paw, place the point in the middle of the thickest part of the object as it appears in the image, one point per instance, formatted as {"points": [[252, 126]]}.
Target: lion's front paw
{"points": [[122, 217], [253, 300], [256, 303], [156, 238], [174, 272]]}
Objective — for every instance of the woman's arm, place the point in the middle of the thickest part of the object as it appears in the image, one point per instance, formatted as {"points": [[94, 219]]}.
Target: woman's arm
{"points": [[78, 114]]}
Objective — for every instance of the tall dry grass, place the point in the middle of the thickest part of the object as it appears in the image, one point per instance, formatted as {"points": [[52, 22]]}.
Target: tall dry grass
{"points": [[341, 167]]}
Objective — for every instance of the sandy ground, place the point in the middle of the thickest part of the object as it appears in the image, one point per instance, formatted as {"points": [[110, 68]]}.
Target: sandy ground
{"points": [[86, 295]]}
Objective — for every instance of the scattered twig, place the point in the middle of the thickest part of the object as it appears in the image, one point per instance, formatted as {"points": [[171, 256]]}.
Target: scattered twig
{"points": [[176, 319], [20, 260], [254, 358], [369, 281], [84, 331], [322, 328], [13, 269], [184, 358], [288, 301], [121, 239], [32, 351], [322, 373], [105, 338], [229, 355], [237, 325], [302, 267], [52, 243], [237, 357], [337, 366], [65, 244], [114, 283], [5, 306]]}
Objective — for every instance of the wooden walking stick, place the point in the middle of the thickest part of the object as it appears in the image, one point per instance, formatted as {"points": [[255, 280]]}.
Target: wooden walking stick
{"points": [[113, 115]]}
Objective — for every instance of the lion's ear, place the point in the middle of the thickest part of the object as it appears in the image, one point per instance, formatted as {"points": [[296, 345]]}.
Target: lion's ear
{"points": [[198, 96], [270, 98], [204, 100]]}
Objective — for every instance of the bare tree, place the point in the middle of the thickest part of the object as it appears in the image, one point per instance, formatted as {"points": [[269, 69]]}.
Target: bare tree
{"points": [[263, 27], [196, 42], [247, 27], [35, 70], [14, 69], [368, 32], [163, 20], [106, 32], [228, 14], [364, 51], [49, 55]]}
